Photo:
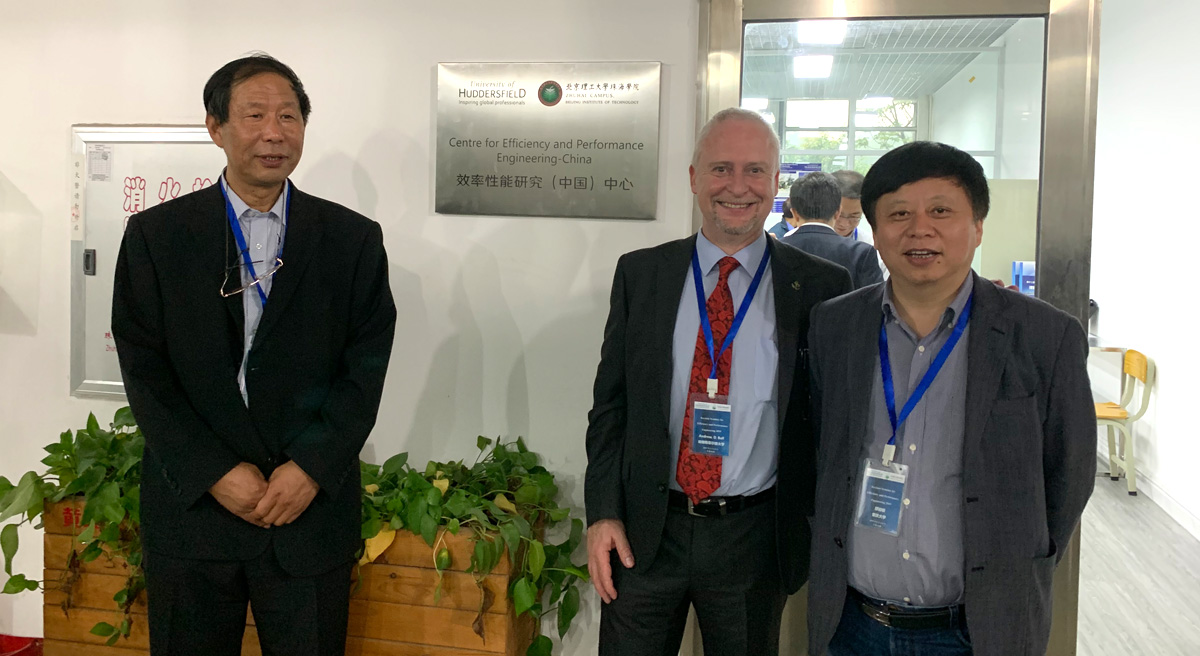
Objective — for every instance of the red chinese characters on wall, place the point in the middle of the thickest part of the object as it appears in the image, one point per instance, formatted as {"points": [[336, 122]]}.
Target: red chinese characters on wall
{"points": [[135, 195], [169, 189]]}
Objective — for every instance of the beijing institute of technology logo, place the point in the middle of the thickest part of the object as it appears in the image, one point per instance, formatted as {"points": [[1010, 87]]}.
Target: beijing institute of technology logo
{"points": [[550, 93]]}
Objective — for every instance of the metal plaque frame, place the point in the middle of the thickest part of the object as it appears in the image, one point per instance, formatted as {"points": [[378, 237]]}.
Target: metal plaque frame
{"points": [[583, 144]]}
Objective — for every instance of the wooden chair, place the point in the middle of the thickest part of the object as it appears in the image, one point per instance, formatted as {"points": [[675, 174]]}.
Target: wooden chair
{"points": [[1118, 417]]}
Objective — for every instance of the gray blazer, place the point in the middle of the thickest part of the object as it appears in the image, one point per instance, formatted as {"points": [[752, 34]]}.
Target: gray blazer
{"points": [[1029, 459], [859, 258]]}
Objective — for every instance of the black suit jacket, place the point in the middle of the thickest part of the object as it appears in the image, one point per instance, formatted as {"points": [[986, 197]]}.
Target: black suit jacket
{"points": [[1029, 457], [314, 375], [857, 257], [628, 440]]}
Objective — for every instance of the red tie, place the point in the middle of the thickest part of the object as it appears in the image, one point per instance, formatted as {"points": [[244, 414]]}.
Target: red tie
{"points": [[700, 475]]}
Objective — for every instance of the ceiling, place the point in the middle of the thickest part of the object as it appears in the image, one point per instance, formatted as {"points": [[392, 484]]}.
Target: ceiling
{"points": [[897, 58]]}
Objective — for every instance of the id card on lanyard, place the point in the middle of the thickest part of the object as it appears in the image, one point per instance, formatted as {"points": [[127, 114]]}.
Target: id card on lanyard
{"points": [[712, 414], [236, 227], [881, 499]]}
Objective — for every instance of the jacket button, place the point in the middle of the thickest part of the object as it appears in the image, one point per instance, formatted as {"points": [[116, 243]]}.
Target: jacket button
{"points": [[662, 487], [838, 542]]}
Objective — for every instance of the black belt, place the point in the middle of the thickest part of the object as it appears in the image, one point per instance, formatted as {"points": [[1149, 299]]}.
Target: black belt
{"points": [[717, 506], [901, 617]]}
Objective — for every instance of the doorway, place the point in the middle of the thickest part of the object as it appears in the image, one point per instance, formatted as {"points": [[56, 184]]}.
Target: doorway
{"points": [[846, 80]]}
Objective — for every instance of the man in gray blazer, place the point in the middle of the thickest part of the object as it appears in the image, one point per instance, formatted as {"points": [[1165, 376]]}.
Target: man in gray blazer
{"points": [[947, 494], [815, 199]]}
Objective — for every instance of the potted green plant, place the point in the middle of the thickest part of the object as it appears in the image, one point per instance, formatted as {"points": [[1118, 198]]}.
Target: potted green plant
{"points": [[504, 502], [103, 469]]}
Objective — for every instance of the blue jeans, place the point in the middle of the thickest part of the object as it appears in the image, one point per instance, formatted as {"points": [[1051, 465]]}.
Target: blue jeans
{"points": [[859, 635]]}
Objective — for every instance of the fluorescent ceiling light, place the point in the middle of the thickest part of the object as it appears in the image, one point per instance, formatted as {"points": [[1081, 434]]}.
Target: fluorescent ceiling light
{"points": [[754, 104], [821, 32], [812, 66]]}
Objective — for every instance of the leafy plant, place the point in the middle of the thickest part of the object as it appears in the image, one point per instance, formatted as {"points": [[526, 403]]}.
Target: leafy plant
{"points": [[103, 468], [506, 498]]}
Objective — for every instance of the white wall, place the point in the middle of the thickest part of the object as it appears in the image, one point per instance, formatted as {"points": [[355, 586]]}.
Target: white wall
{"points": [[1142, 250], [964, 109], [1009, 81], [500, 318]]}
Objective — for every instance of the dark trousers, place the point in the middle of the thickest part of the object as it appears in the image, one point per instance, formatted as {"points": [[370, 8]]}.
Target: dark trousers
{"points": [[198, 607], [859, 635], [726, 567]]}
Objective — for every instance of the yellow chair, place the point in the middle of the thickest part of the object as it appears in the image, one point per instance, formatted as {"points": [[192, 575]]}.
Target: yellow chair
{"points": [[1116, 417]]}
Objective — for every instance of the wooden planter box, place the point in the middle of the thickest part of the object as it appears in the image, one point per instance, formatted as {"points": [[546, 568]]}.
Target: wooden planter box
{"points": [[392, 612]]}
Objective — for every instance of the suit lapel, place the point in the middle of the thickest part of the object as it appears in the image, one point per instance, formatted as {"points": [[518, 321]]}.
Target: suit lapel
{"points": [[300, 243], [862, 354], [209, 228], [785, 280], [986, 348], [673, 269]]}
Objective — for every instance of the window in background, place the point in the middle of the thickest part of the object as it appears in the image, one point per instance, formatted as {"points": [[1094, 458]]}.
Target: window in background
{"points": [[846, 133]]}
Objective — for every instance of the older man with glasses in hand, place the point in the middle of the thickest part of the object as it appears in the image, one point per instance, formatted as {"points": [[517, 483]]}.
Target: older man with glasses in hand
{"points": [[254, 384]]}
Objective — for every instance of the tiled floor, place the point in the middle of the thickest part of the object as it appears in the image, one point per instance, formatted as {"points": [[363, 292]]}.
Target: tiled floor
{"points": [[1139, 578]]}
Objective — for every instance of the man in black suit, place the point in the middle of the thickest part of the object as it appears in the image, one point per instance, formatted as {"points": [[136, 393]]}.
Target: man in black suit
{"points": [[816, 198], [949, 488], [712, 517], [253, 325]]}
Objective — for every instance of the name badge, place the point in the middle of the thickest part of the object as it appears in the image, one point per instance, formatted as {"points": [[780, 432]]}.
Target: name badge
{"points": [[881, 499], [712, 421]]}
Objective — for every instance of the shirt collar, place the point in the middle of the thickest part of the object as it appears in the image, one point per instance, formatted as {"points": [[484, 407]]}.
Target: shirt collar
{"points": [[750, 255], [952, 311], [818, 223], [240, 207]]}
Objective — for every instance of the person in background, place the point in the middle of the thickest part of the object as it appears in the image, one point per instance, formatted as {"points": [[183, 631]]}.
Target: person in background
{"points": [[706, 510], [815, 200], [848, 222], [948, 491], [786, 223], [255, 383]]}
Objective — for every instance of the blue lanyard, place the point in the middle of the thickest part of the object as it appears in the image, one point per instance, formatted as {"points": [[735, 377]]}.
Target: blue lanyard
{"points": [[854, 235], [698, 277], [889, 390], [241, 238]]}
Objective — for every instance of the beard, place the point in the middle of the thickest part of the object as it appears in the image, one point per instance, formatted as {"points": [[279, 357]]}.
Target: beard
{"points": [[736, 230]]}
